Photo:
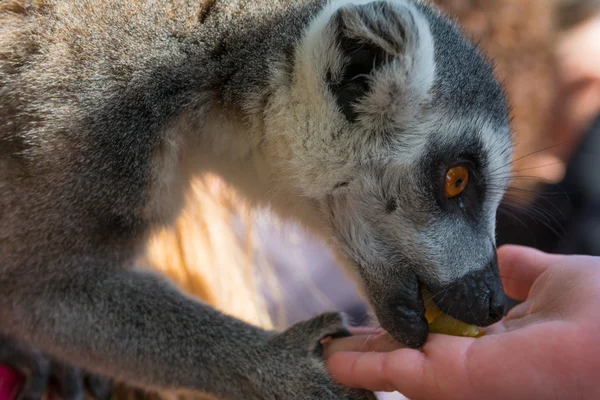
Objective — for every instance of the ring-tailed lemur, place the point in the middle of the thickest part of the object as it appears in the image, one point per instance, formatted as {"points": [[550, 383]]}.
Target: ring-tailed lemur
{"points": [[374, 123]]}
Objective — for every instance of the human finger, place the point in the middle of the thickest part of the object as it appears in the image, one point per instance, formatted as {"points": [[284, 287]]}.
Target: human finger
{"points": [[520, 267]]}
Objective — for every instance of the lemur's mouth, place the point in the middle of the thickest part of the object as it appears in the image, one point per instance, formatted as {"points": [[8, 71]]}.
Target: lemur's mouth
{"points": [[413, 309], [401, 312], [439, 322], [476, 299]]}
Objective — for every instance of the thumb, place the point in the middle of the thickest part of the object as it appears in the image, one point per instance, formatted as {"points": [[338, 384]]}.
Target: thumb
{"points": [[520, 267]]}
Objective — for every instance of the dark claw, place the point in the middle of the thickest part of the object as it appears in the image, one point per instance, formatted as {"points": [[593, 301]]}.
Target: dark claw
{"points": [[69, 381], [35, 384], [99, 387]]}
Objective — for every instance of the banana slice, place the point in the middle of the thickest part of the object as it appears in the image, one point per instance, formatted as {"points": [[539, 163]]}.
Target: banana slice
{"points": [[442, 323]]}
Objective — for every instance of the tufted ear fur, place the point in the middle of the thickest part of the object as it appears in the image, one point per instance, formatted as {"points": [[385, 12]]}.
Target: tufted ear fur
{"points": [[372, 37]]}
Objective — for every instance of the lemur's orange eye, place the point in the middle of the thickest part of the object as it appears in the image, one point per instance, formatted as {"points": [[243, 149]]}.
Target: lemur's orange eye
{"points": [[456, 180]]}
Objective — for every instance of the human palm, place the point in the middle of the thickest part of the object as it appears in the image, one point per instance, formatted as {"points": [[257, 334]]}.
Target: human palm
{"points": [[548, 347]]}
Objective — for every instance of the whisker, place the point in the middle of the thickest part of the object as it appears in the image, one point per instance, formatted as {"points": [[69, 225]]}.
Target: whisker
{"points": [[474, 317], [512, 162], [539, 166]]}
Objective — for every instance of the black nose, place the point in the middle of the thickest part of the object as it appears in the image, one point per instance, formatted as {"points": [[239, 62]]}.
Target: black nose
{"points": [[476, 298]]}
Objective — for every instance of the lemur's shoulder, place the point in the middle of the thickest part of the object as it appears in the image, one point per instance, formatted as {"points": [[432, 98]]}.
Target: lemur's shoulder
{"points": [[92, 89], [86, 91]]}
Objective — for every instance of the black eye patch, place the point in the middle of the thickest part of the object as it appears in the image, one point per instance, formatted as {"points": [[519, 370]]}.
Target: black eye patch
{"points": [[439, 158]]}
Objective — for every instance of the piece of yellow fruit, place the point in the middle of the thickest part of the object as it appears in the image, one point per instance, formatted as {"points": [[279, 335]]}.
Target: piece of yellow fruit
{"points": [[443, 323]]}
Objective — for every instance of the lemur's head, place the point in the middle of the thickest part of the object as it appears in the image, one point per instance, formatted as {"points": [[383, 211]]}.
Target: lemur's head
{"points": [[399, 138]]}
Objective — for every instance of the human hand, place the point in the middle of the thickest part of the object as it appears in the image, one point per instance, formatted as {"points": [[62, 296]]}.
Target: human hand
{"points": [[546, 348]]}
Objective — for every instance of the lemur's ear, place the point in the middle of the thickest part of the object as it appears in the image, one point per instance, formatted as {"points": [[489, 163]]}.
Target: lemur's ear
{"points": [[369, 36]]}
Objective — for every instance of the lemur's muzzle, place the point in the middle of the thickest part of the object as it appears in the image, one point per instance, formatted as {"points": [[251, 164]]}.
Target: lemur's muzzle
{"points": [[476, 298]]}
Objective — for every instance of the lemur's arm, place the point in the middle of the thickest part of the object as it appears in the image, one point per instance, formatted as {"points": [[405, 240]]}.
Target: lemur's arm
{"points": [[137, 327]]}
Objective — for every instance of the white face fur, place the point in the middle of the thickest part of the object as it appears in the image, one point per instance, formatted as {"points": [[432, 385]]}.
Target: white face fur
{"points": [[385, 98]]}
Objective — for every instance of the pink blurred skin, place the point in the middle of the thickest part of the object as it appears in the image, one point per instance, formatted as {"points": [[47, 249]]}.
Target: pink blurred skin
{"points": [[10, 382], [577, 103], [546, 348], [578, 54]]}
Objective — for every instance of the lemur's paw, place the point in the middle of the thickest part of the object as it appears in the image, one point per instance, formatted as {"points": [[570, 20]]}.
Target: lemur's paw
{"points": [[305, 337], [297, 353], [41, 373]]}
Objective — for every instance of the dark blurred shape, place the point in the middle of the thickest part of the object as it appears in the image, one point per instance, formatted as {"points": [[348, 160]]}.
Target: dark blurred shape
{"points": [[565, 218], [571, 13]]}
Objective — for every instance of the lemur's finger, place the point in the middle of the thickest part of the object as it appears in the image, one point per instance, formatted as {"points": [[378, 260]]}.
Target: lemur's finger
{"points": [[101, 388], [520, 267], [69, 380], [308, 334], [35, 385]]}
